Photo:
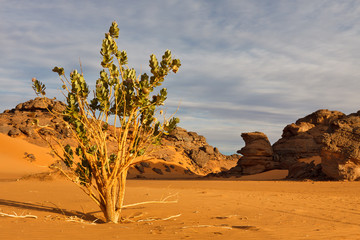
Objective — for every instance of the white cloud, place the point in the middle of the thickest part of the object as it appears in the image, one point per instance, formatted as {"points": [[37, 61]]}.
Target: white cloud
{"points": [[247, 65]]}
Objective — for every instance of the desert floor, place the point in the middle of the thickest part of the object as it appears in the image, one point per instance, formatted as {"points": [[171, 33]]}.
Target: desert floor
{"points": [[204, 209]]}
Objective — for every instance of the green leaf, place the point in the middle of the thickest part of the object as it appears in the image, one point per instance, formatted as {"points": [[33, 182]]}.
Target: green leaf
{"points": [[38, 87], [114, 30], [59, 71]]}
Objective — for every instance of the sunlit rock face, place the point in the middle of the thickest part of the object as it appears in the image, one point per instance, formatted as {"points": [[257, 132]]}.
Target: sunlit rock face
{"points": [[303, 139], [299, 149], [323, 145], [257, 154], [341, 152]]}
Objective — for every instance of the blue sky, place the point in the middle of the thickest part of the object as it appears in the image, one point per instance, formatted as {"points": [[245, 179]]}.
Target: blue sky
{"points": [[247, 65]]}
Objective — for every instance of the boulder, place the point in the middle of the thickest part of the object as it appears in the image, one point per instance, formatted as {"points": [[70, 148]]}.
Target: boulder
{"points": [[199, 156], [145, 164], [28, 131], [14, 132], [39, 104], [257, 154], [140, 168], [158, 171], [256, 144], [303, 170]]}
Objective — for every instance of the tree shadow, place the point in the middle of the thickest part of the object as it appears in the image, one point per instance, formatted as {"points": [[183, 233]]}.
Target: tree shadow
{"points": [[55, 209]]}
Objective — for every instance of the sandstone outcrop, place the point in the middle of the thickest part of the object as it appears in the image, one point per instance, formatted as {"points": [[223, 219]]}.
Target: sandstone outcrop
{"points": [[39, 104], [197, 149], [257, 154], [323, 145], [257, 157], [25, 118], [187, 149], [341, 152], [299, 149], [303, 139]]}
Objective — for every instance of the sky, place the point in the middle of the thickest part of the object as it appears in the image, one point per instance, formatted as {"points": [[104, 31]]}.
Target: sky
{"points": [[247, 65]]}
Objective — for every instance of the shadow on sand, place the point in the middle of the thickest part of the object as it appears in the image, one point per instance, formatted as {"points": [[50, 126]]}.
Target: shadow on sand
{"points": [[44, 208]]}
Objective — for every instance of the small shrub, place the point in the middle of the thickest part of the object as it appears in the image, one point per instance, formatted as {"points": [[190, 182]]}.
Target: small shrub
{"points": [[122, 99]]}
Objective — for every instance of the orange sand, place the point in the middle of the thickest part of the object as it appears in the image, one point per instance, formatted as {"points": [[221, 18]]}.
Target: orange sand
{"points": [[13, 163], [210, 209]]}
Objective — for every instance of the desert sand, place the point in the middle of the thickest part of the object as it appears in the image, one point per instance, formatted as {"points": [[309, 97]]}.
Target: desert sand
{"points": [[254, 207]]}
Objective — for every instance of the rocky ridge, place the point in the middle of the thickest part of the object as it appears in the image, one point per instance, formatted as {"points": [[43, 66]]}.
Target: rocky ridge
{"points": [[323, 145], [179, 150]]}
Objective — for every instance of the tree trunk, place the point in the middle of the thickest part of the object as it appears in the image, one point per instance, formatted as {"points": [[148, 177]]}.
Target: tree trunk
{"points": [[121, 190], [114, 199], [111, 215]]}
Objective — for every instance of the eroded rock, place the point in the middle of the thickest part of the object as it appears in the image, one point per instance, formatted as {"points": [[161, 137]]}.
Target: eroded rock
{"points": [[198, 150], [39, 104], [341, 153], [31, 118], [304, 138], [257, 154]]}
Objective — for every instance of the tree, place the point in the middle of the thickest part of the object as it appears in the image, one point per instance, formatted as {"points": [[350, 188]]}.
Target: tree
{"points": [[122, 99]]}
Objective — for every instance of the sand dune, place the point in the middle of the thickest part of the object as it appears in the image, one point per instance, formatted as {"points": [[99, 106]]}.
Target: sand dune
{"points": [[15, 161]]}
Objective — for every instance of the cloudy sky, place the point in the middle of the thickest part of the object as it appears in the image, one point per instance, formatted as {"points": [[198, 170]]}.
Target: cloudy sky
{"points": [[247, 65]]}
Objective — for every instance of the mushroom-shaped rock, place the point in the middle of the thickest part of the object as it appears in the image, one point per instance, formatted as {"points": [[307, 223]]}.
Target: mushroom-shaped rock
{"points": [[257, 154]]}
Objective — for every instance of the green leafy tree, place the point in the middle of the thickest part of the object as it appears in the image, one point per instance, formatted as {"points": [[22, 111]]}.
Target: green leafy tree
{"points": [[133, 106]]}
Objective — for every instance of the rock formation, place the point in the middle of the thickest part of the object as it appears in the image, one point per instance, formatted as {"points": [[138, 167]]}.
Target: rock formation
{"points": [[197, 149], [183, 148], [299, 149], [340, 157], [325, 145], [303, 139], [257, 157], [25, 117], [257, 154], [322, 145]]}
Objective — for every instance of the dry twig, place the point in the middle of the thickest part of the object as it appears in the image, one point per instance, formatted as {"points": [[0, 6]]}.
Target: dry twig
{"points": [[159, 219], [17, 216], [150, 202], [79, 220]]}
